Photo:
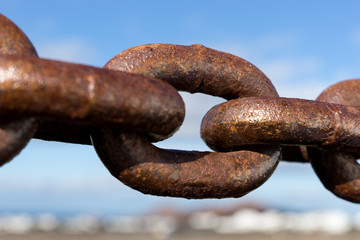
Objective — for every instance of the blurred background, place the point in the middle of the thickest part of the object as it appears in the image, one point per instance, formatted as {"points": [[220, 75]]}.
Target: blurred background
{"points": [[303, 47]]}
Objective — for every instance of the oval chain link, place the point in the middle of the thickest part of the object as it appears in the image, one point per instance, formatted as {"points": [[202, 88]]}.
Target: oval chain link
{"points": [[136, 162], [15, 130]]}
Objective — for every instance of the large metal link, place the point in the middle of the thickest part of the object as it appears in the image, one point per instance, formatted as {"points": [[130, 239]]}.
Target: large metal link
{"points": [[133, 160], [338, 169], [282, 121], [15, 131], [94, 96]]}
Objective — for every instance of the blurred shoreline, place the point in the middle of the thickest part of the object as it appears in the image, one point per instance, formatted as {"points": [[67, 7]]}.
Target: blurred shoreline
{"points": [[188, 236], [250, 221]]}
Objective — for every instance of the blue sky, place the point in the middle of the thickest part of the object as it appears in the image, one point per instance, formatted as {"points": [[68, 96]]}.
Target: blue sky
{"points": [[302, 46]]}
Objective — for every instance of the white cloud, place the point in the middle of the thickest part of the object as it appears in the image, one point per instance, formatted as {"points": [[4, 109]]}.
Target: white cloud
{"points": [[285, 70], [276, 41], [309, 89], [292, 75], [300, 78], [258, 49], [71, 50]]}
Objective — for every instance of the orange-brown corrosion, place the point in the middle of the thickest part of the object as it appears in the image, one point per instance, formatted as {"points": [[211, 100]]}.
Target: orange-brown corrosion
{"points": [[13, 41], [131, 158], [89, 95], [338, 170], [15, 132], [281, 121], [196, 68]]}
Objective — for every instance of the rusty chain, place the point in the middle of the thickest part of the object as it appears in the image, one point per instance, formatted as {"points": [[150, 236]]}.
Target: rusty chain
{"points": [[133, 101]]}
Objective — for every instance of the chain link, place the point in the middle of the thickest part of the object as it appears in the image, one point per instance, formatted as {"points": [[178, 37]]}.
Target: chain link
{"points": [[181, 173], [15, 131], [133, 101], [337, 168]]}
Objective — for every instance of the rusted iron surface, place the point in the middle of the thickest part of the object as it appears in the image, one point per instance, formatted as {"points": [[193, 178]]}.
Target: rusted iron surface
{"points": [[73, 92], [15, 132], [281, 121], [344, 92], [133, 160], [133, 101], [338, 170], [13, 41], [194, 69]]}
